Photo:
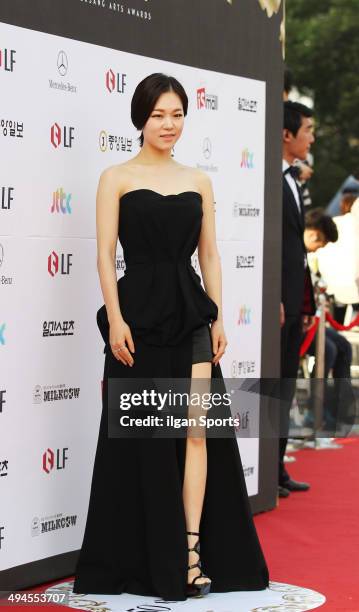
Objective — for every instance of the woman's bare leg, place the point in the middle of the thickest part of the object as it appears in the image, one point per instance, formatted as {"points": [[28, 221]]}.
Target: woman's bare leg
{"points": [[196, 465]]}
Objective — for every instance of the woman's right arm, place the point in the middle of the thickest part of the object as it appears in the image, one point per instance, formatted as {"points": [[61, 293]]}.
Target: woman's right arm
{"points": [[107, 220]]}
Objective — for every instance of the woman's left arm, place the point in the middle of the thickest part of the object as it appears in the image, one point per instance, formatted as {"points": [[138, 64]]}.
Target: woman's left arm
{"points": [[210, 263]]}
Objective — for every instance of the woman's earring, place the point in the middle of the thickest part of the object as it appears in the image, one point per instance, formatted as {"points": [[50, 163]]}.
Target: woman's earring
{"points": [[173, 152]]}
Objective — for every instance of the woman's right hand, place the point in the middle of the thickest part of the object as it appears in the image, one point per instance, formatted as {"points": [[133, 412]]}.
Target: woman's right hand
{"points": [[121, 342]]}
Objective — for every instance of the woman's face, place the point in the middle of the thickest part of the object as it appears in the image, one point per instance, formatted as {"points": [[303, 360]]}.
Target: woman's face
{"points": [[165, 123]]}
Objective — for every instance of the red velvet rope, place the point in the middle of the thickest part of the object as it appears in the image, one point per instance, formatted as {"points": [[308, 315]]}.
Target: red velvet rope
{"points": [[339, 326], [313, 330], [309, 337]]}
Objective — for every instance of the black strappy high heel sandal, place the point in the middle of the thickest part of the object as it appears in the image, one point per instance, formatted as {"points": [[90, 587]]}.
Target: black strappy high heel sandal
{"points": [[197, 590]]}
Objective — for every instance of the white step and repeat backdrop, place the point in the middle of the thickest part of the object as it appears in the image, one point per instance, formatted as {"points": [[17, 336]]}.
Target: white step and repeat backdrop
{"points": [[64, 117]]}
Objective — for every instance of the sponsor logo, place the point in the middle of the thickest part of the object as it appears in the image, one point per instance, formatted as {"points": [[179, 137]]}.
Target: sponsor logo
{"points": [[248, 106], [62, 136], [46, 524], [4, 467], [245, 315], [54, 459], [242, 420], [7, 59], [111, 142], [195, 262], [61, 202], [2, 537], [12, 128], [120, 263], [2, 333], [244, 210], [242, 368], [7, 197], [247, 161], [115, 81], [62, 63], [54, 393], [2, 399], [207, 153], [56, 263], [245, 261], [58, 328], [207, 148], [4, 280], [206, 100], [248, 471]]}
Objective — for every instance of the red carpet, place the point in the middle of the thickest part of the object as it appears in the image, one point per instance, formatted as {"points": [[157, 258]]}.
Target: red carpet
{"points": [[312, 538]]}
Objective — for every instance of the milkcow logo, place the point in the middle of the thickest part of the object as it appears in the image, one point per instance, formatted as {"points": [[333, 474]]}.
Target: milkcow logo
{"points": [[7, 59], [115, 81], [62, 136], [56, 263]]}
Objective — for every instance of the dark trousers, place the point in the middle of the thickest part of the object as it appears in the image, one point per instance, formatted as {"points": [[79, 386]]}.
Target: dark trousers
{"points": [[291, 338], [339, 399]]}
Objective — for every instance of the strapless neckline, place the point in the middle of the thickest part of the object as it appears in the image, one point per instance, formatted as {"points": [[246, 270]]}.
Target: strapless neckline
{"points": [[161, 195]]}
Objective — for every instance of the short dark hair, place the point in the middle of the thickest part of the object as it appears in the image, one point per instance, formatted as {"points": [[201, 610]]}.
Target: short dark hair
{"points": [[316, 219], [147, 93], [293, 114]]}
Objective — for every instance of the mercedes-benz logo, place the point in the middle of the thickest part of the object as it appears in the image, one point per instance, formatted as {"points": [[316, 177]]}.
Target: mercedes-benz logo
{"points": [[62, 63], [1, 254], [207, 148]]}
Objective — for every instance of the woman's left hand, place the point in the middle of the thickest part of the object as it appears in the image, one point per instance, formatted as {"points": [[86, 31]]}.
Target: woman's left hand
{"points": [[219, 340]]}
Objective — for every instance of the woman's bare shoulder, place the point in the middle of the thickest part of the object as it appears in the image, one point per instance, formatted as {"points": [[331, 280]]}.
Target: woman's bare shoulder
{"points": [[116, 176]]}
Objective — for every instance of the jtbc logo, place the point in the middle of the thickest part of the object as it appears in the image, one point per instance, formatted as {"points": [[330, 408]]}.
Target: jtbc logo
{"points": [[115, 81], [54, 260], [50, 460], [6, 197], [2, 398], [63, 136], [244, 316], [7, 59], [2, 330], [247, 159], [61, 202]]}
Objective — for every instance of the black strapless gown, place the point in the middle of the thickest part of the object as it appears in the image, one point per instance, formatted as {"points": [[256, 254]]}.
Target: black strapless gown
{"points": [[135, 537]]}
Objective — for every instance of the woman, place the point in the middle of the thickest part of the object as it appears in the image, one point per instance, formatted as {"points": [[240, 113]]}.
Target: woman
{"points": [[152, 498]]}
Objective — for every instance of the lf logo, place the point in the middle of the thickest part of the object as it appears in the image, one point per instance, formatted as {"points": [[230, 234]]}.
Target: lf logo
{"points": [[7, 59], [63, 136], [61, 202], [115, 81], [2, 399], [247, 159], [54, 263], [51, 461], [6, 197], [2, 330]]}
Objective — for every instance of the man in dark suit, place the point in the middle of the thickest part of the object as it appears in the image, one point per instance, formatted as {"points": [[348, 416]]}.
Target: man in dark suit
{"points": [[297, 306]]}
